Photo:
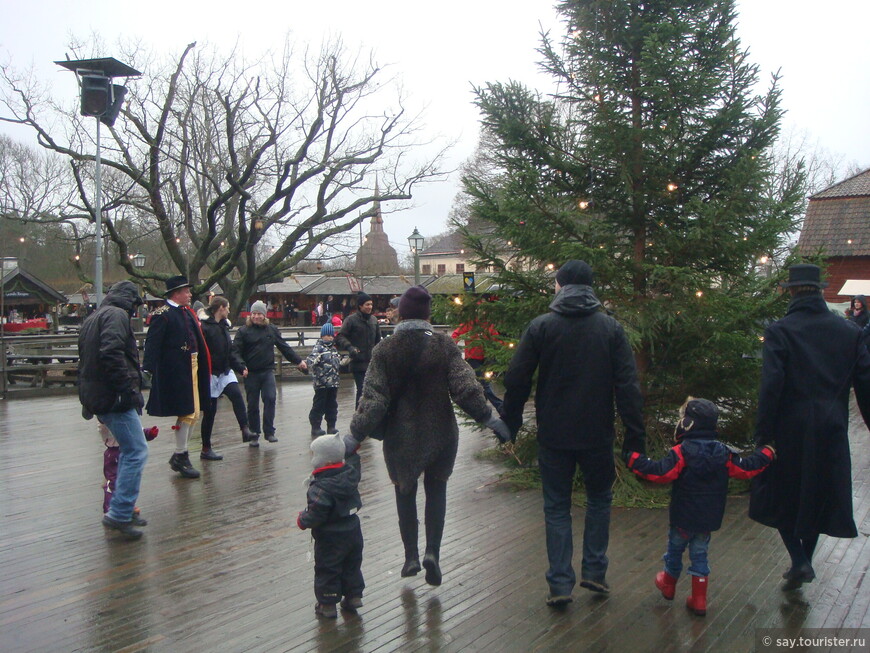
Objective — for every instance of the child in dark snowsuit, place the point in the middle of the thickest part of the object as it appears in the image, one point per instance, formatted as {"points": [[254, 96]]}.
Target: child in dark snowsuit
{"points": [[699, 467], [323, 365], [333, 501]]}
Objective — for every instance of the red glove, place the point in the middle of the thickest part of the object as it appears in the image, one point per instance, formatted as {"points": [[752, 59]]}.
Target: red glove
{"points": [[151, 433], [299, 521]]}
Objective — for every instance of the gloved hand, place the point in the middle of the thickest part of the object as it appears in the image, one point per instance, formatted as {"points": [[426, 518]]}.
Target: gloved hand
{"points": [[129, 399], [150, 433], [351, 444], [353, 352], [502, 432]]}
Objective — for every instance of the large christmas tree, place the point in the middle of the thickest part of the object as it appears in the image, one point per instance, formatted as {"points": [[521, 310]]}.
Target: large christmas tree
{"points": [[652, 162]]}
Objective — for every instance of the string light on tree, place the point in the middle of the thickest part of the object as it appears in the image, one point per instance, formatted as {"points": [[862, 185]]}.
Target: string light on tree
{"points": [[672, 187]]}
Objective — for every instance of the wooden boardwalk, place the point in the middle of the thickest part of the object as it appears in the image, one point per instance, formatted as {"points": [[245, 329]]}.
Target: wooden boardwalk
{"points": [[222, 566]]}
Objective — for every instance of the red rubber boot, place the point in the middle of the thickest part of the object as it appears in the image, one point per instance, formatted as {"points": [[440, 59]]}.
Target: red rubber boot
{"points": [[697, 603], [667, 584]]}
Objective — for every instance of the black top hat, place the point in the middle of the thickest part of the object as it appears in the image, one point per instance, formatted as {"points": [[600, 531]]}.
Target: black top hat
{"points": [[804, 274], [175, 283]]}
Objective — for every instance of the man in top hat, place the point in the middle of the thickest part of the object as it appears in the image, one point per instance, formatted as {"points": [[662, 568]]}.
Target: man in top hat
{"points": [[178, 359], [585, 367], [359, 335], [811, 358]]}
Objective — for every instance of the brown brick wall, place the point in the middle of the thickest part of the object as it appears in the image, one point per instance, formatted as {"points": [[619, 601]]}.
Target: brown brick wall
{"points": [[842, 268]]}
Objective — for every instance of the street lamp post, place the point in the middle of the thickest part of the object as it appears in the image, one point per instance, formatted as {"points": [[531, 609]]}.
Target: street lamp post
{"points": [[416, 241], [101, 99], [138, 260]]}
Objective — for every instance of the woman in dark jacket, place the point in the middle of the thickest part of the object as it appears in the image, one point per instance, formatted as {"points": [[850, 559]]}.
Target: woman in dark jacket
{"points": [[225, 363], [857, 311], [411, 381]]}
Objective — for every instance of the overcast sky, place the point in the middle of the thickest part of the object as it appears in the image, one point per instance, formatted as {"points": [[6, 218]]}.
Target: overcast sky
{"points": [[440, 49]]}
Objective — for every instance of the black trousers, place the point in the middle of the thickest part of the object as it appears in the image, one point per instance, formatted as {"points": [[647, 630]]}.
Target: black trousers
{"points": [[234, 394], [359, 378], [337, 564], [257, 384], [325, 403]]}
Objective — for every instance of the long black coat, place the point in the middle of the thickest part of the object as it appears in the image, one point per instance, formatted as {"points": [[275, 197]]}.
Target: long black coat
{"points": [[108, 356], [412, 378], [167, 357], [585, 364], [811, 360]]}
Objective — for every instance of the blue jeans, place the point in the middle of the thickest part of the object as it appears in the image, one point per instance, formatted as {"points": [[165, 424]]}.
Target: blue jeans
{"points": [[126, 428], [558, 467], [698, 543]]}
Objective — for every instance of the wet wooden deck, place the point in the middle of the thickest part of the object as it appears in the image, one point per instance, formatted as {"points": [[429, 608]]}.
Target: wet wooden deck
{"points": [[222, 566]]}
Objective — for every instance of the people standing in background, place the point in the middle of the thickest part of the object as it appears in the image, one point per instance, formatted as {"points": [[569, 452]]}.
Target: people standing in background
{"points": [[359, 334]]}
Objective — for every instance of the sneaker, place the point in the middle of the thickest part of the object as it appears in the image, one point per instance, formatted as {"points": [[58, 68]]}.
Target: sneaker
{"points": [[270, 437], [138, 521], [325, 610], [210, 454], [595, 586], [180, 462], [351, 603], [558, 600], [123, 527], [316, 432]]}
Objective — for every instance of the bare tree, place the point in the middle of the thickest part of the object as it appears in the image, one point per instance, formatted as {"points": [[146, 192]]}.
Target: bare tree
{"points": [[241, 170]]}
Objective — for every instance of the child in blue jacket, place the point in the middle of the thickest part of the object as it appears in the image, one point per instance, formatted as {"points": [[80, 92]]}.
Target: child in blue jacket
{"points": [[699, 467]]}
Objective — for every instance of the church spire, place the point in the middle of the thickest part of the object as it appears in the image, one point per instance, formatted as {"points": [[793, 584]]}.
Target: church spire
{"points": [[377, 218]]}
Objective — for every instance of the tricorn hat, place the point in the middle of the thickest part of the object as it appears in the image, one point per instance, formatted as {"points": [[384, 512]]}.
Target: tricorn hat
{"points": [[804, 274], [175, 283]]}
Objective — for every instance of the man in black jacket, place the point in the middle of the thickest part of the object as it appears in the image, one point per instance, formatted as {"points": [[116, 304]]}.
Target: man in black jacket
{"points": [[359, 335], [109, 382], [178, 358], [585, 363], [256, 342], [811, 358]]}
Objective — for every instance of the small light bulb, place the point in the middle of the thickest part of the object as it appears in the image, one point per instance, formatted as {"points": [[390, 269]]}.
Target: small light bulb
{"points": [[700, 293], [487, 375], [457, 301], [583, 204], [672, 187]]}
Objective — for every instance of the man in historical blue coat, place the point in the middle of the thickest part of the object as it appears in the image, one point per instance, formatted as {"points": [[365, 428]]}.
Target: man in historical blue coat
{"points": [[178, 359]]}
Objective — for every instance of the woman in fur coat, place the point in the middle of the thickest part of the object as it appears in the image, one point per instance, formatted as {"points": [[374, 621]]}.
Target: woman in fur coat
{"points": [[412, 380]]}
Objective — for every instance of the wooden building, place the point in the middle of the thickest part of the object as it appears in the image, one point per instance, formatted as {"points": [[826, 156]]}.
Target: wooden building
{"points": [[837, 227]]}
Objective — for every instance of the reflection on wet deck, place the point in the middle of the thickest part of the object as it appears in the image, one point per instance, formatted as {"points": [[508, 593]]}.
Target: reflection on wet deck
{"points": [[222, 566]]}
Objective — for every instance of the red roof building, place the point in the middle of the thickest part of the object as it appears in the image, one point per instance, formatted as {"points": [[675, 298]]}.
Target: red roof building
{"points": [[837, 227]]}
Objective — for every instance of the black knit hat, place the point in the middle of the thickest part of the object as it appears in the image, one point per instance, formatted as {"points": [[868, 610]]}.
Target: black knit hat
{"points": [[415, 304], [362, 298], [574, 272]]}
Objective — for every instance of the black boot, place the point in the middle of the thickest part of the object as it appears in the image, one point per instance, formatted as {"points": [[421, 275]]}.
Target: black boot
{"points": [[331, 430], [247, 436], [406, 505], [433, 568], [316, 431], [180, 462]]}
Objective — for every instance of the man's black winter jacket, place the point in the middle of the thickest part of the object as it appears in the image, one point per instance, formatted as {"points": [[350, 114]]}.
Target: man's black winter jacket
{"points": [[584, 362], [256, 345]]}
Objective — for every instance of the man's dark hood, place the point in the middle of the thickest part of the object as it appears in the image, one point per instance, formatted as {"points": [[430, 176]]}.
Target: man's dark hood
{"points": [[575, 299], [123, 294]]}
